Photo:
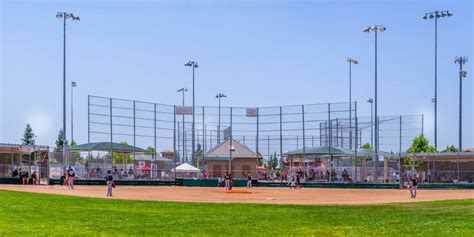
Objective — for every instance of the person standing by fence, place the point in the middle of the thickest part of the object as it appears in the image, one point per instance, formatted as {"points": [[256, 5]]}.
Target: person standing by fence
{"points": [[227, 181], [70, 178], [110, 183], [413, 187], [249, 180]]}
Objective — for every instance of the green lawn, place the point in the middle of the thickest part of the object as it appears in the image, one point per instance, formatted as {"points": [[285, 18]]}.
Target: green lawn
{"points": [[39, 214]]}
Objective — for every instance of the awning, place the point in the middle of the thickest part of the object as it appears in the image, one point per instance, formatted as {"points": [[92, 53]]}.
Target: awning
{"points": [[144, 168], [107, 146], [186, 168], [261, 168], [336, 151]]}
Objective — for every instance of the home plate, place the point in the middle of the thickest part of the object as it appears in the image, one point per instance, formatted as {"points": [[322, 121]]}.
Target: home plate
{"points": [[270, 198], [238, 191]]}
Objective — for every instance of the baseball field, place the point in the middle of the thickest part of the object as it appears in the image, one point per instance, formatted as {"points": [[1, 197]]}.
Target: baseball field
{"points": [[181, 211]]}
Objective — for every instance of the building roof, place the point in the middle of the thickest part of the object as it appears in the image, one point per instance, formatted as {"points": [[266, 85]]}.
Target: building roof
{"points": [[18, 148], [440, 156], [107, 146], [223, 150]]}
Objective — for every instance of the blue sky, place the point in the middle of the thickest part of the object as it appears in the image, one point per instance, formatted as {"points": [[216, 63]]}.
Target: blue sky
{"points": [[258, 53]]}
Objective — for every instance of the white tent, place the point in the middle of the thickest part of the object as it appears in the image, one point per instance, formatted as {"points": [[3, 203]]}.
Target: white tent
{"points": [[187, 168]]}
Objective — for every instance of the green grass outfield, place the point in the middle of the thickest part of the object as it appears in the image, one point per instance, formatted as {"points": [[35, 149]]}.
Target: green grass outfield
{"points": [[41, 214]]}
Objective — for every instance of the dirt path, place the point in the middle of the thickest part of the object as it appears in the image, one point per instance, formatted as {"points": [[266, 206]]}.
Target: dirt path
{"points": [[258, 195]]}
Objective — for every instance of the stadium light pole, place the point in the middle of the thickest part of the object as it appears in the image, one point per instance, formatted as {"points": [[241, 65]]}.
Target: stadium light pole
{"points": [[462, 74], [219, 96], [65, 16], [183, 90], [376, 29], [73, 84], [350, 61], [435, 15], [193, 65], [371, 101]]}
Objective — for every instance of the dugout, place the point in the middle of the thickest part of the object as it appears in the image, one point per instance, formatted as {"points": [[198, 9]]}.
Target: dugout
{"points": [[441, 167], [357, 164], [15, 157]]}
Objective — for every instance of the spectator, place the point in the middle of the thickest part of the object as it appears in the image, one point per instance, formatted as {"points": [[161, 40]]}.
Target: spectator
{"points": [[34, 178]]}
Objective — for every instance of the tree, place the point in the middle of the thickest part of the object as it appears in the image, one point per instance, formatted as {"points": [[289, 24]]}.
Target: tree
{"points": [[74, 156], [367, 146], [120, 157], [420, 144], [451, 148], [150, 151], [28, 136], [59, 140], [199, 151], [273, 161], [260, 161]]}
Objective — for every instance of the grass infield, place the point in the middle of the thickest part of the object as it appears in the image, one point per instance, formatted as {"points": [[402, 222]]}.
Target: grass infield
{"points": [[44, 214]]}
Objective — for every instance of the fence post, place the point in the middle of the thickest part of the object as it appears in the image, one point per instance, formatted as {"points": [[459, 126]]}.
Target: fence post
{"points": [[330, 141], [174, 140], [256, 142], [355, 142], [281, 134], [230, 148], [111, 139], [304, 134], [154, 140], [399, 155], [134, 137]]}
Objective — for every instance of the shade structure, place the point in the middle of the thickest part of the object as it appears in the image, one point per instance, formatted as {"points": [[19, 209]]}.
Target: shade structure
{"points": [[186, 168], [107, 146], [336, 151], [261, 168]]}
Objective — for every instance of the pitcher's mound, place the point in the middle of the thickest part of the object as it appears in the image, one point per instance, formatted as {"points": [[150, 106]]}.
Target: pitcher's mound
{"points": [[244, 191]]}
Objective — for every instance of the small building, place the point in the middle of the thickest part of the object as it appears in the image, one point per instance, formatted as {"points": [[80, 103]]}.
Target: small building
{"points": [[242, 159], [28, 157]]}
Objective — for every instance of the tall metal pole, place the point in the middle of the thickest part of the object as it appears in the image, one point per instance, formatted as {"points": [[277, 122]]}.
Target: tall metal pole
{"points": [[460, 111], [230, 148], [435, 15], [193, 127], [73, 84], [154, 134], [462, 74], [350, 105], [111, 137], [256, 144], [134, 136], [65, 151], [219, 123], [184, 147], [376, 115], [89, 125], [436, 85]]}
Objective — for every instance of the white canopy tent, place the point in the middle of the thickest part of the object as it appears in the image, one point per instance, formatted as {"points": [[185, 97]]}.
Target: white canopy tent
{"points": [[186, 168]]}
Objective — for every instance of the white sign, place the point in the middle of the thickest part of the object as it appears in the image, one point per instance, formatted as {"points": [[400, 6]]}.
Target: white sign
{"points": [[252, 112], [184, 110]]}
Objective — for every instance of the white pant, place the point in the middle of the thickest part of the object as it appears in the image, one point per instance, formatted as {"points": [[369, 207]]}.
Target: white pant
{"points": [[249, 183], [227, 184], [109, 188], [70, 183]]}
